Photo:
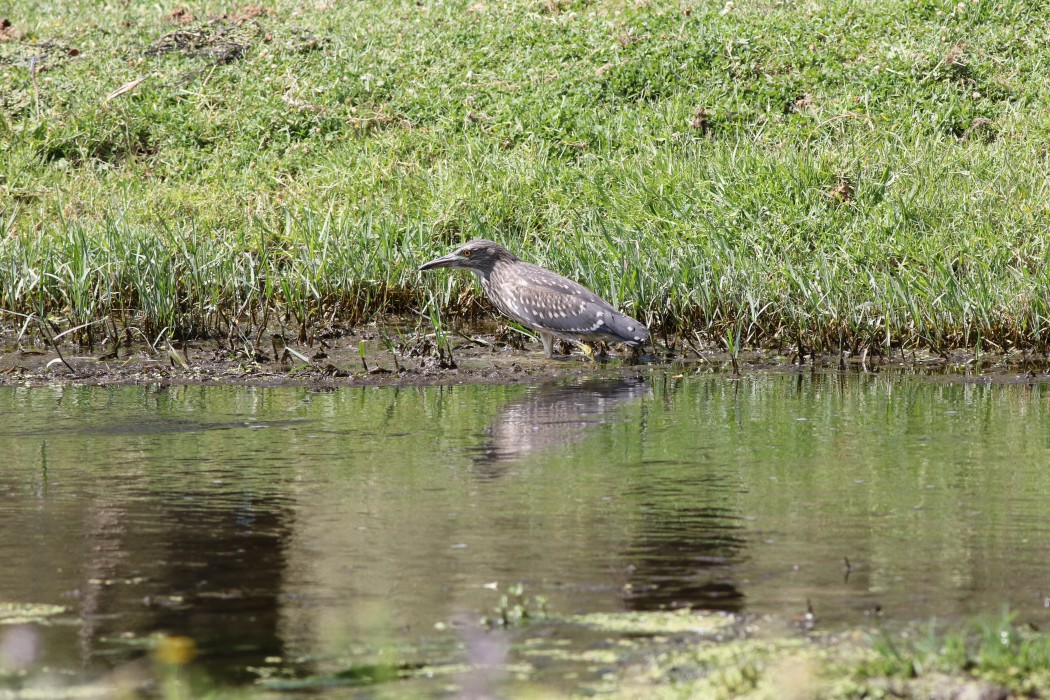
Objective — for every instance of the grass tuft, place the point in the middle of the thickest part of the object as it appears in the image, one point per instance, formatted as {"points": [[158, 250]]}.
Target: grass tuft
{"points": [[996, 651]]}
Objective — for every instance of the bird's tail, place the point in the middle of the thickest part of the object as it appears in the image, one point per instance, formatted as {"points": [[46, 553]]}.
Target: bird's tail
{"points": [[626, 329]]}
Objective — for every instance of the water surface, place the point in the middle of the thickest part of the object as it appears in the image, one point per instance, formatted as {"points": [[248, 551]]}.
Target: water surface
{"points": [[307, 529]]}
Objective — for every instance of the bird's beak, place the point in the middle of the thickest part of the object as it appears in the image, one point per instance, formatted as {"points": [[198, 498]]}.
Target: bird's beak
{"points": [[449, 260]]}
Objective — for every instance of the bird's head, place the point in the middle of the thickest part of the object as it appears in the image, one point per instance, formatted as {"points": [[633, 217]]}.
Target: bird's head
{"points": [[478, 255]]}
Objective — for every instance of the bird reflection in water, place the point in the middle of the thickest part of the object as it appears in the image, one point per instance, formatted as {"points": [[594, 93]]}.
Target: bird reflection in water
{"points": [[684, 549], [551, 415]]}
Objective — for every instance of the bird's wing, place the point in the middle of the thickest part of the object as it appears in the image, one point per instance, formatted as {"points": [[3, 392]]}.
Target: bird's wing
{"points": [[559, 305]]}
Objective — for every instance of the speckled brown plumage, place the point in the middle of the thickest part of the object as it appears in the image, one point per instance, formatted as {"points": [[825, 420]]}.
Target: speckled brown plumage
{"points": [[542, 300]]}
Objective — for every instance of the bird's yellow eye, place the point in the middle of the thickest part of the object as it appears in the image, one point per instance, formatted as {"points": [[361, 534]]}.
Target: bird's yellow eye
{"points": [[467, 253]]}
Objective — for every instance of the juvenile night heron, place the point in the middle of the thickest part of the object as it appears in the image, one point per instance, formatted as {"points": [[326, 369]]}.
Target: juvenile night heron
{"points": [[546, 302]]}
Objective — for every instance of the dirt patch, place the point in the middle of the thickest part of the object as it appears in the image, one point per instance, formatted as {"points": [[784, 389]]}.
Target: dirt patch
{"points": [[217, 40], [368, 357], [247, 12], [8, 32], [417, 361], [180, 15]]}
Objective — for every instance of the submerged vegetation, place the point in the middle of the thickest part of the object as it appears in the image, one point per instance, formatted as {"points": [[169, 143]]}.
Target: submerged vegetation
{"points": [[654, 654], [984, 659], [816, 175]]}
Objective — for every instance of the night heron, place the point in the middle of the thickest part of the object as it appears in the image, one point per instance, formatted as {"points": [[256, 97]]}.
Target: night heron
{"points": [[546, 302]]}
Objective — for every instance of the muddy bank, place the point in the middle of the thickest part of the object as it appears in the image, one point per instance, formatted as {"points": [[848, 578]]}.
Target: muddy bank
{"points": [[366, 357], [482, 355]]}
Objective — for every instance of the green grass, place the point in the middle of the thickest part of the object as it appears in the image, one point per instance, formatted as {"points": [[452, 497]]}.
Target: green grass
{"points": [[833, 174], [995, 651]]}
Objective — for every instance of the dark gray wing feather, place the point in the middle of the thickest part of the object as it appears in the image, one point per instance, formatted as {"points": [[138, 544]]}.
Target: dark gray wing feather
{"points": [[556, 304]]}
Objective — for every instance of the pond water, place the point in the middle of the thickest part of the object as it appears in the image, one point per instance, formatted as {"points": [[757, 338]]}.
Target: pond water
{"points": [[293, 531]]}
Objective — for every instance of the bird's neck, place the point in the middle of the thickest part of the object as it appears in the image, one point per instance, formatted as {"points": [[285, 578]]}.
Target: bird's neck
{"points": [[496, 270]]}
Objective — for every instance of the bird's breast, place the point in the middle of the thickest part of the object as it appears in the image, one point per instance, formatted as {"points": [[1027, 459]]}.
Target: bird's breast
{"points": [[502, 293]]}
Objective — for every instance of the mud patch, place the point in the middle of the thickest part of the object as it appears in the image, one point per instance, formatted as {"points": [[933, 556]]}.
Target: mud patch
{"points": [[372, 356], [219, 40], [366, 358]]}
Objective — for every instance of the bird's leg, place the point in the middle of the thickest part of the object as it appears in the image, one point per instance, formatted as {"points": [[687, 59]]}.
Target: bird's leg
{"points": [[548, 344], [634, 354]]}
